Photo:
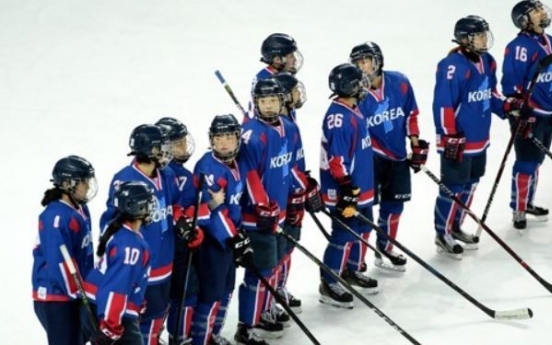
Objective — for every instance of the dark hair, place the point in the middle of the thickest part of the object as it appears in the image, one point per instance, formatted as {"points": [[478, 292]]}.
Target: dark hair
{"points": [[52, 194], [115, 225]]}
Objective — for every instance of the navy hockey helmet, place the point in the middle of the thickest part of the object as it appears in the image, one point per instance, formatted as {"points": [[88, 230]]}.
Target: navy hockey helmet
{"points": [[467, 27], [182, 141], [221, 125], [69, 172], [280, 45], [150, 142], [290, 83], [368, 50], [521, 14], [347, 80], [263, 89], [135, 200]]}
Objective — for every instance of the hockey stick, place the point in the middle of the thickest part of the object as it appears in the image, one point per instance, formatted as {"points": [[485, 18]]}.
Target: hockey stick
{"points": [[466, 209], [542, 64], [515, 314], [497, 180], [320, 226], [347, 286], [540, 145], [176, 339], [78, 281], [284, 304], [230, 92]]}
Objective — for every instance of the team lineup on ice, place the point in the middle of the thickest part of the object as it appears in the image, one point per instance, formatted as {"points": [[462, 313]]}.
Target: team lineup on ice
{"points": [[254, 227]]}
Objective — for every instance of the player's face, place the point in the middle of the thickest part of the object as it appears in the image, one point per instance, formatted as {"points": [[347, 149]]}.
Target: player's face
{"points": [[482, 41], [85, 190], [269, 105], [179, 148], [299, 95], [293, 62], [538, 16], [366, 65], [225, 143]]}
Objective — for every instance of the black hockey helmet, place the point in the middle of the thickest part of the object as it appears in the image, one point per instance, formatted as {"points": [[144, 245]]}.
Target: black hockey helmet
{"points": [[135, 200], [280, 45], [465, 29], [520, 14], [225, 124], [368, 50], [150, 142], [288, 82], [347, 80], [176, 130], [70, 171], [265, 88]]}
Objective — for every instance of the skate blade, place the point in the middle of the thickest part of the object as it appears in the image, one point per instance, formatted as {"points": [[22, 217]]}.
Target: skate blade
{"points": [[261, 333], [451, 255], [389, 267], [367, 291], [470, 246], [296, 310], [327, 300], [540, 219]]}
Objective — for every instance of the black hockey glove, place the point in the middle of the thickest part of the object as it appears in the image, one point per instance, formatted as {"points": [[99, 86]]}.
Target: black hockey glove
{"points": [[184, 228], [419, 155], [295, 209], [99, 338], [313, 199], [513, 105], [267, 217], [454, 146], [348, 197], [241, 247]]}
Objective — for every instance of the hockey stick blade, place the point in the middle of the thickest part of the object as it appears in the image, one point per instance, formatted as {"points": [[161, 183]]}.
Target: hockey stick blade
{"points": [[516, 314]]}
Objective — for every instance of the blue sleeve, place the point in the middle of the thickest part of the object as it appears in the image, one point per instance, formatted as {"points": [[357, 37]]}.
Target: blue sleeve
{"points": [[110, 211], [446, 96], [515, 68], [497, 100], [339, 131]]}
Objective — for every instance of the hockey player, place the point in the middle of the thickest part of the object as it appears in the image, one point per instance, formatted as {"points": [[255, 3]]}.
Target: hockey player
{"points": [[347, 183], [392, 114], [267, 157], [464, 97], [281, 54], [151, 151], [221, 222], [116, 285], [522, 55], [64, 221], [294, 98], [182, 146]]}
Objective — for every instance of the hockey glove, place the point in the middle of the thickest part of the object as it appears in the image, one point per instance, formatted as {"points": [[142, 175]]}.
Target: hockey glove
{"points": [[513, 105], [241, 247], [348, 198], [184, 229], [295, 209], [313, 199], [104, 336], [454, 146], [419, 155], [267, 216]]}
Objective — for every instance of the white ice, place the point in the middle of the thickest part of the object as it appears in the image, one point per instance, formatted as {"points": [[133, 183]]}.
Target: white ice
{"points": [[77, 76]]}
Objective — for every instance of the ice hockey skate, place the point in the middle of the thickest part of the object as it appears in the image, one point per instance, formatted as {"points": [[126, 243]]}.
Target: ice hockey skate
{"points": [[268, 327], [390, 261], [365, 284], [293, 302], [280, 316], [335, 295], [219, 340], [470, 242], [540, 214], [247, 336], [446, 244], [520, 220]]}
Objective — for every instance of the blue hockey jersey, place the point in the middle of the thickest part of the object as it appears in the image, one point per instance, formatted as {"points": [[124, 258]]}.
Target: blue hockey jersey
{"points": [[300, 153], [60, 223], [267, 155], [159, 234], [465, 95], [521, 58], [346, 151], [223, 222], [118, 282], [392, 115]]}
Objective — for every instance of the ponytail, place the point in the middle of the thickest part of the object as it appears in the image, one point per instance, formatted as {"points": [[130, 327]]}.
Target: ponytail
{"points": [[52, 194], [112, 228]]}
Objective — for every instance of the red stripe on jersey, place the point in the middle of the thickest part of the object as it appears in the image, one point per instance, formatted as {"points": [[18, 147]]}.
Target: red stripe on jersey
{"points": [[160, 272], [70, 284], [228, 223], [337, 168], [412, 125], [114, 310], [448, 120], [50, 298], [256, 189]]}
